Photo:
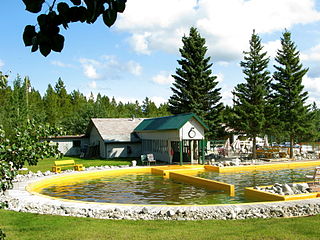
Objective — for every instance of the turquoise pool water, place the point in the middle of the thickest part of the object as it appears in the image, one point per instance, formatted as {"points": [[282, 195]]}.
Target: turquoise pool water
{"points": [[154, 189]]}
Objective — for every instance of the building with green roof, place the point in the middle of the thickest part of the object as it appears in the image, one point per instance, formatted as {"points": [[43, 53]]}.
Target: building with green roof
{"points": [[178, 138]]}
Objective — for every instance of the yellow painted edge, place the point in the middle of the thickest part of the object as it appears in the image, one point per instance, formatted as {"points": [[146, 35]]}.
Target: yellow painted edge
{"points": [[202, 182], [273, 166], [266, 196], [56, 180], [34, 187], [255, 194]]}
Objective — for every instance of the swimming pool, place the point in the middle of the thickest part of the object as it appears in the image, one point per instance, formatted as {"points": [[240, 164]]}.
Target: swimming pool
{"points": [[147, 188]]}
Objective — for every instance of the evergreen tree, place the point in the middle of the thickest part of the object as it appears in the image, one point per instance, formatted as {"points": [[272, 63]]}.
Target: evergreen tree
{"points": [[149, 108], [51, 106], [36, 109], [5, 103], [250, 97], [63, 101], [194, 89], [293, 116], [18, 112]]}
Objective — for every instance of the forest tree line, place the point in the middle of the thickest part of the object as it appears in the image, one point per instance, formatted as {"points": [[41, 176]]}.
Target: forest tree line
{"points": [[70, 111]]}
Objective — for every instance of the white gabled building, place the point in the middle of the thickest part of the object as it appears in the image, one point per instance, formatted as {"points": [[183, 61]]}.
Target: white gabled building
{"points": [[114, 137], [178, 138]]}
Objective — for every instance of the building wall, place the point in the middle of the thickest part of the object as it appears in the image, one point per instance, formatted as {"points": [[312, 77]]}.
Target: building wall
{"points": [[159, 143], [192, 130], [115, 150], [95, 139], [169, 134], [67, 148]]}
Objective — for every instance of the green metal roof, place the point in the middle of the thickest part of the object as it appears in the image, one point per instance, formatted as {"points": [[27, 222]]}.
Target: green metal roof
{"points": [[168, 123]]}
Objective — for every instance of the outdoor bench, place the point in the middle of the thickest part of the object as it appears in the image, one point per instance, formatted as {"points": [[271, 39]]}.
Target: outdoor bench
{"points": [[66, 163], [147, 159]]}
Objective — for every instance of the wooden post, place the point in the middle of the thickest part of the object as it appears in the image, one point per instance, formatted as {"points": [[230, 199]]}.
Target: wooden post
{"points": [[202, 150], [181, 152]]}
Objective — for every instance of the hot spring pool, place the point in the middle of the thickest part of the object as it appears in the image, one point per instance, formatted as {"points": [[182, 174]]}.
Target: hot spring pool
{"points": [[145, 188]]}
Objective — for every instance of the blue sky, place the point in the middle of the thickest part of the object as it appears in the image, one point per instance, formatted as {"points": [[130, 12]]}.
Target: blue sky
{"points": [[135, 58]]}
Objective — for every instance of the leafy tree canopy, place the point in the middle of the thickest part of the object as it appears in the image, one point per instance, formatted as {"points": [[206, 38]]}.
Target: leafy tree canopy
{"points": [[45, 34]]}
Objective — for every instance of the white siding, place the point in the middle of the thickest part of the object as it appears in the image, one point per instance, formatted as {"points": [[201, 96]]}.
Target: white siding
{"points": [[95, 139], [197, 128], [65, 146], [167, 136], [114, 150]]}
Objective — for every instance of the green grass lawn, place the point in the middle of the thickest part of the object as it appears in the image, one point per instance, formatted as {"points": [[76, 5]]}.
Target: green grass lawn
{"points": [[46, 164], [33, 226]]}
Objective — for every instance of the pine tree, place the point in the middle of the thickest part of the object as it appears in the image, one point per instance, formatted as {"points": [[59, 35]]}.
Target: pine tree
{"points": [[64, 105], [250, 97], [51, 106], [293, 116], [194, 89], [149, 108]]}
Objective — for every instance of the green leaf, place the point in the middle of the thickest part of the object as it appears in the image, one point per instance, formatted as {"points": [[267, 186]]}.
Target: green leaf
{"points": [[109, 17], [120, 5], [33, 6], [76, 2], [28, 34], [45, 49], [74, 15], [82, 12], [42, 20], [63, 8], [57, 43]]}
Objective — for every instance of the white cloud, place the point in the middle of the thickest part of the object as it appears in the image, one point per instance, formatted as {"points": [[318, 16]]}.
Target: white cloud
{"points": [[223, 63], [93, 85], [1, 63], [134, 68], [226, 25], [311, 55], [163, 78], [126, 99], [109, 67], [61, 64], [271, 48], [90, 68], [312, 85], [220, 77], [140, 43], [158, 100]]}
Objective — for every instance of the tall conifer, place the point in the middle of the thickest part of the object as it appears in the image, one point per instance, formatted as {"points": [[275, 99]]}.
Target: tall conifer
{"points": [[194, 89], [293, 116], [250, 97]]}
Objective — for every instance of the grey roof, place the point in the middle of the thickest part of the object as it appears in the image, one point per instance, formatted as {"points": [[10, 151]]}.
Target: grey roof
{"points": [[117, 129]]}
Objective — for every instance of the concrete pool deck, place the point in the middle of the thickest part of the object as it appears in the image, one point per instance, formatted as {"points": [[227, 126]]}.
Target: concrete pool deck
{"points": [[19, 199]]}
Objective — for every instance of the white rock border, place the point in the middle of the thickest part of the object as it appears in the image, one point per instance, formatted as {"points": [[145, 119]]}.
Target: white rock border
{"points": [[20, 200]]}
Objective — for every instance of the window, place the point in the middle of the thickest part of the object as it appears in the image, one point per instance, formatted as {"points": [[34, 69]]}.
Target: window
{"points": [[76, 143]]}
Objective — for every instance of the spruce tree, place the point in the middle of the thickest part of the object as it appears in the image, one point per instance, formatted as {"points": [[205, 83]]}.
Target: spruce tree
{"points": [[250, 97], [194, 89], [293, 116]]}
